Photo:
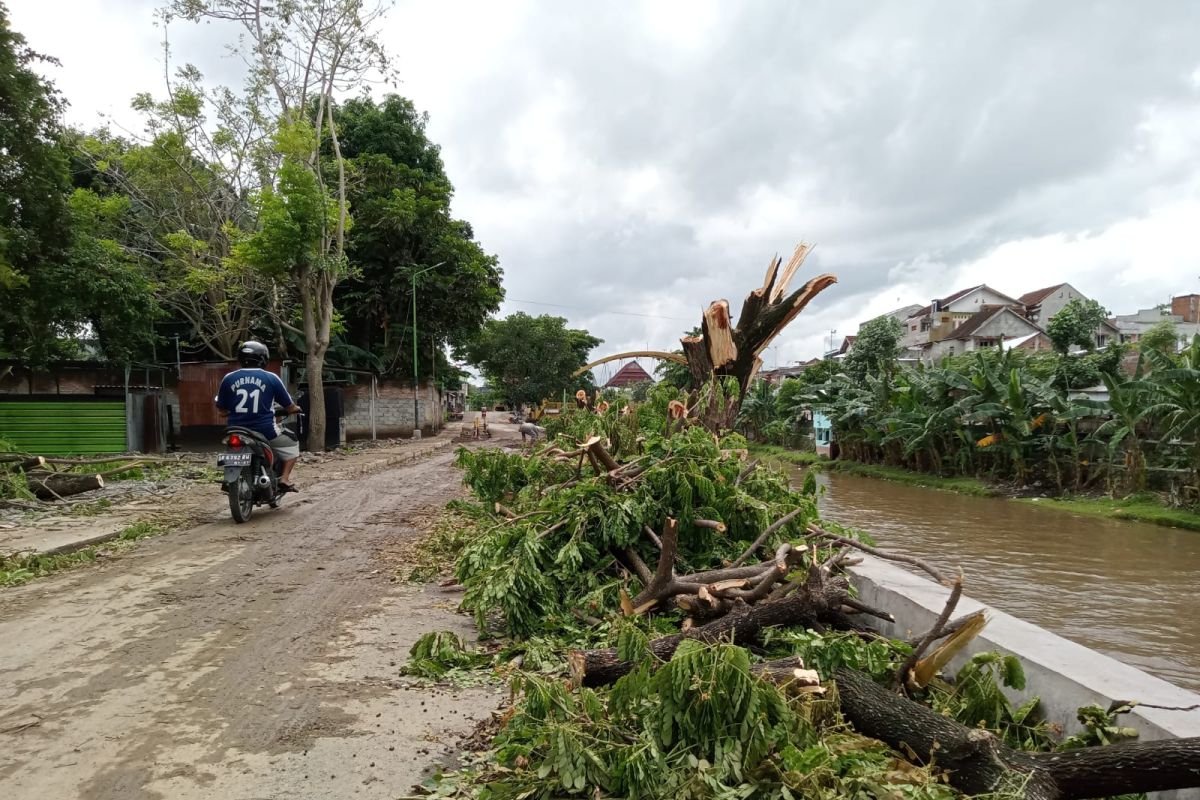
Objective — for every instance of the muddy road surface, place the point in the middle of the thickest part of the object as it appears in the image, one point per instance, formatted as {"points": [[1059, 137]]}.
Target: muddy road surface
{"points": [[239, 661]]}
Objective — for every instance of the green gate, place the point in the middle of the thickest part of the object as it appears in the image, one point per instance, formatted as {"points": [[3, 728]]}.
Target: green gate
{"points": [[64, 427]]}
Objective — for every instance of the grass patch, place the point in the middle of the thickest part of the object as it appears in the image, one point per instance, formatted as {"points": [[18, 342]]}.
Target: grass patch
{"points": [[962, 485], [23, 567], [1140, 507], [800, 458]]}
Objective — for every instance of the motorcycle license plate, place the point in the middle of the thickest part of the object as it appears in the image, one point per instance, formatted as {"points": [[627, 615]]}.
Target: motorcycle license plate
{"points": [[233, 460]]}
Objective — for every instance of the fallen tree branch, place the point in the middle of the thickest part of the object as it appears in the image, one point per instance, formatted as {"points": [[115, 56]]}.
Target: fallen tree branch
{"points": [[904, 673], [661, 582], [745, 473], [819, 600], [949, 629], [765, 535], [815, 532]]}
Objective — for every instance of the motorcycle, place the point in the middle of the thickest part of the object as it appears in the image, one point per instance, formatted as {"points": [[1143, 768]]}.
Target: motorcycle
{"points": [[252, 471]]}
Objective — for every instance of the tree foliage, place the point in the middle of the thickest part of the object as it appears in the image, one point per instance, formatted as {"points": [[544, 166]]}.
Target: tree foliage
{"points": [[1076, 324], [1163, 338], [33, 204], [529, 359], [401, 199], [875, 348]]}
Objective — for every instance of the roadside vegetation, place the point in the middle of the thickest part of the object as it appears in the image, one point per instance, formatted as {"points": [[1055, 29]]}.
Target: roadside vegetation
{"points": [[556, 553], [17, 568]]}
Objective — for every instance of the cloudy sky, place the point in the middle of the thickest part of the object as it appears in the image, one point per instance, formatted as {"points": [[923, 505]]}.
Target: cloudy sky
{"points": [[647, 157]]}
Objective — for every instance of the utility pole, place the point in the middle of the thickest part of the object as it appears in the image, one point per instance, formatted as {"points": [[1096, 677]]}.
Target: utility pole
{"points": [[416, 418]]}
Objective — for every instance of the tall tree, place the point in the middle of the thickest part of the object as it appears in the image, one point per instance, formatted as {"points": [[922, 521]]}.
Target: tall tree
{"points": [[529, 359], [181, 213], [301, 53], [1076, 324], [33, 210], [875, 349], [1163, 337], [401, 200]]}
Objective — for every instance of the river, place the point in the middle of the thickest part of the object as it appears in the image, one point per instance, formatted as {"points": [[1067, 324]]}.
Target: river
{"points": [[1126, 589]]}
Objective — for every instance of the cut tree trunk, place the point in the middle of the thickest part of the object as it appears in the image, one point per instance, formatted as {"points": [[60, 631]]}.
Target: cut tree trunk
{"points": [[722, 349], [53, 485], [22, 463], [977, 762]]}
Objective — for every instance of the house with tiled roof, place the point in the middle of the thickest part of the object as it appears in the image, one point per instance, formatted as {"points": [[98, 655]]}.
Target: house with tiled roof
{"points": [[1043, 304], [991, 326], [629, 374], [938, 320]]}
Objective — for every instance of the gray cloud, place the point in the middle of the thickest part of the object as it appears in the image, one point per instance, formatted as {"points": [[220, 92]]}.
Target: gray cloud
{"points": [[649, 157]]}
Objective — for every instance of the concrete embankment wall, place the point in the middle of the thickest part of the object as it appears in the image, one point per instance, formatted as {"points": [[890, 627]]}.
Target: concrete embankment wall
{"points": [[1065, 675]]}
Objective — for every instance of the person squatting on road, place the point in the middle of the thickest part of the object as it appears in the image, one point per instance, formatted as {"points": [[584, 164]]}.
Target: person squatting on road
{"points": [[249, 395], [531, 430]]}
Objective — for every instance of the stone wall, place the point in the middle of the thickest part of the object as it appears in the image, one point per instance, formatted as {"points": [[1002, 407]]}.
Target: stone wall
{"points": [[1065, 675], [393, 409]]}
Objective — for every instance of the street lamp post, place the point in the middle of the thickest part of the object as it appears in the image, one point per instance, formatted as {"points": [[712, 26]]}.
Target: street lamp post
{"points": [[416, 418]]}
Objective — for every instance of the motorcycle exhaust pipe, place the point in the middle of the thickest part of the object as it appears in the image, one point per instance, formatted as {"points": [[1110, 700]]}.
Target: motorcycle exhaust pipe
{"points": [[263, 481]]}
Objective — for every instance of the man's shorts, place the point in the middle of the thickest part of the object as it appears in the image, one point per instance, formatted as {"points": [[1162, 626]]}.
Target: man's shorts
{"points": [[286, 448]]}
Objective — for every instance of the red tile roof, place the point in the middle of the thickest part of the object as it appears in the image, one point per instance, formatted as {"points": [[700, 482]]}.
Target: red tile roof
{"points": [[630, 373], [1036, 297]]}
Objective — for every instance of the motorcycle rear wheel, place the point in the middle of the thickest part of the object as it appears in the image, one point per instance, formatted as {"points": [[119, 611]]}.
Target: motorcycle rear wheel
{"points": [[241, 499]]}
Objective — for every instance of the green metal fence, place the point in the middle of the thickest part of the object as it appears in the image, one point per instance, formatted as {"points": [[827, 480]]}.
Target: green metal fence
{"points": [[64, 427]]}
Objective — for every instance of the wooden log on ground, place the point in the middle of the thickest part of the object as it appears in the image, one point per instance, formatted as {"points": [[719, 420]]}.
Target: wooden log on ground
{"points": [[23, 463], [977, 762], [789, 673], [56, 485]]}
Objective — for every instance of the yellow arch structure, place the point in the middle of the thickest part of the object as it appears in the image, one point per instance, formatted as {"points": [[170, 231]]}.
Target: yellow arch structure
{"points": [[660, 355]]}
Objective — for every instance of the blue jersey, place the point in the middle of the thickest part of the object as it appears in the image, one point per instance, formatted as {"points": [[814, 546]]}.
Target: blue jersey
{"points": [[250, 395]]}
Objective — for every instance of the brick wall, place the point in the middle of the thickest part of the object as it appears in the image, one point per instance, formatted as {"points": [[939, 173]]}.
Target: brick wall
{"points": [[393, 410], [1187, 306], [63, 380]]}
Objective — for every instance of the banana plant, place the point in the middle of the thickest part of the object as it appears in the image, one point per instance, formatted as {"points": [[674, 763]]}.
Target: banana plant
{"points": [[1130, 403], [1177, 400]]}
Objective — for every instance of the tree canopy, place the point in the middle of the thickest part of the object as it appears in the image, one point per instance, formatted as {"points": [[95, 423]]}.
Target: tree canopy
{"points": [[1163, 338], [528, 359], [33, 203], [874, 349], [229, 216], [401, 199], [1076, 324]]}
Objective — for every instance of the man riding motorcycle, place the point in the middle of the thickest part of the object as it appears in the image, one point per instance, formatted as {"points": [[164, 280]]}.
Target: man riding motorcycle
{"points": [[248, 395]]}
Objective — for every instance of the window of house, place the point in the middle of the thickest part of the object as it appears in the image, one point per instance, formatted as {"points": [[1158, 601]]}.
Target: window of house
{"points": [[926, 324], [914, 327], [1101, 339]]}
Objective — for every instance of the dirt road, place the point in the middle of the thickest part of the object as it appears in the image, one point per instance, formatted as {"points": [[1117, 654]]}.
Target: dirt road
{"points": [[250, 661]]}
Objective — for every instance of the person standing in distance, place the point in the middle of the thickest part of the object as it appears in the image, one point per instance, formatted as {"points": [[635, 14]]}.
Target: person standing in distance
{"points": [[249, 396]]}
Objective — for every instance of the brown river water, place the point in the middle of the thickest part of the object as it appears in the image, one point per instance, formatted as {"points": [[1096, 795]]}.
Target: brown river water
{"points": [[1127, 589]]}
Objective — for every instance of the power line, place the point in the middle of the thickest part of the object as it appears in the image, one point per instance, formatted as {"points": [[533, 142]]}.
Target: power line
{"points": [[592, 311]]}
